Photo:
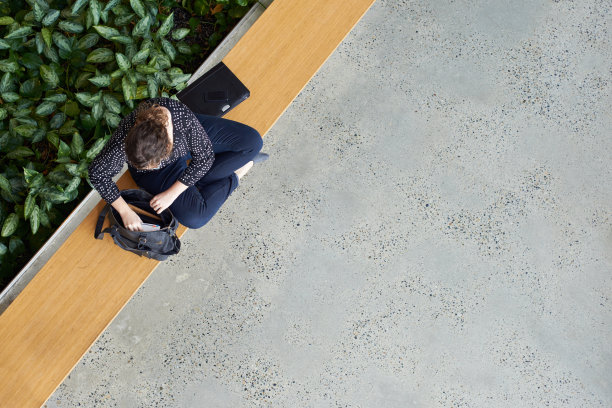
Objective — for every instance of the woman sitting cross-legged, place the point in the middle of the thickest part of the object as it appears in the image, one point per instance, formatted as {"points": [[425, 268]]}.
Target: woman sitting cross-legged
{"points": [[156, 140]]}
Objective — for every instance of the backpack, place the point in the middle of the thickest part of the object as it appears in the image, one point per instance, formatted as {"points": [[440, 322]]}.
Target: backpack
{"points": [[153, 244]]}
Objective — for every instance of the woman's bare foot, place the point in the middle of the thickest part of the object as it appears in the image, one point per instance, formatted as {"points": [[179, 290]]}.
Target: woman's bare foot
{"points": [[244, 169]]}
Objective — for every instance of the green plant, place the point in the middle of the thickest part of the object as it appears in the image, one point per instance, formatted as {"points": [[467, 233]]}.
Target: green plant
{"points": [[225, 12], [69, 70]]}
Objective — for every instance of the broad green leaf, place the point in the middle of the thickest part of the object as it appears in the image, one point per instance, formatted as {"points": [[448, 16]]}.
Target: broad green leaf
{"points": [[36, 182], [19, 33], [28, 87], [10, 96], [107, 32], [141, 92], [16, 245], [57, 98], [3, 249], [100, 55], [71, 108], [111, 4], [29, 174], [55, 196], [112, 119], [146, 69], [168, 49], [61, 41], [163, 62], [4, 45], [28, 207], [31, 60], [53, 138], [68, 128], [178, 79], [84, 98], [6, 20], [39, 12], [101, 80], [82, 80], [63, 150], [138, 7], [146, 44], [131, 76], [46, 35], [6, 82], [117, 74], [51, 17], [57, 120], [123, 39], [180, 33], [77, 6], [70, 26], [141, 27], [4, 184], [25, 130], [111, 103], [74, 183], [130, 50], [87, 41], [27, 120], [140, 57], [95, 8], [71, 168], [95, 149], [76, 146], [122, 62], [52, 54], [9, 66], [39, 135], [166, 26], [19, 152], [87, 121], [128, 88], [97, 110], [49, 75], [124, 19], [10, 225], [35, 219], [45, 108], [3, 113], [44, 219]]}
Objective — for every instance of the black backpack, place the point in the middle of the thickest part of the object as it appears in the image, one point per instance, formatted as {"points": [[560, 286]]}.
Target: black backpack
{"points": [[153, 244]]}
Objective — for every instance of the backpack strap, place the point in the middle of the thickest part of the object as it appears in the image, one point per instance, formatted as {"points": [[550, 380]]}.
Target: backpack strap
{"points": [[99, 234]]}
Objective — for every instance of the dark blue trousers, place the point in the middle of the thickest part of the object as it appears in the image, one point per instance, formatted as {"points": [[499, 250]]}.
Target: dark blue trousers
{"points": [[234, 144]]}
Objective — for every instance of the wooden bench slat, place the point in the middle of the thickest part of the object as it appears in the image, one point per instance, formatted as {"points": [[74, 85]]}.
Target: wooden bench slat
{"points": [[85, 284]]}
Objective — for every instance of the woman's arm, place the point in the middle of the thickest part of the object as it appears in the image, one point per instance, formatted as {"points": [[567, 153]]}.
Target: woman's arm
{"points": [[200, 147], [130, 219], [165, 199]]}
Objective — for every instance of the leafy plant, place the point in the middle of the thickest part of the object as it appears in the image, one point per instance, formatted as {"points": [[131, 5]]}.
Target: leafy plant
{"points": [[225, 12], [69, 70]]}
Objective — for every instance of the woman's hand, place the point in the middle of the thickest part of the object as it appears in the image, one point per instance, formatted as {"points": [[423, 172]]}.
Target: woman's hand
{"points": [[163, 200], [131, 220]]}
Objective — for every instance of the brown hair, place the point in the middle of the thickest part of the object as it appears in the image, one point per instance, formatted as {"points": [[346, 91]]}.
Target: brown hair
{"points": [[148, 142]]}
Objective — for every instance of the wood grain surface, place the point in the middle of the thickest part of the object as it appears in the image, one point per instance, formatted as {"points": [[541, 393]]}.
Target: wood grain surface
{"points": [[85, 284]]}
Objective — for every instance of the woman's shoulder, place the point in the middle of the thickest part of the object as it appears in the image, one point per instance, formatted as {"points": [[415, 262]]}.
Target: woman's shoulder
{"points": [[169, 102]]}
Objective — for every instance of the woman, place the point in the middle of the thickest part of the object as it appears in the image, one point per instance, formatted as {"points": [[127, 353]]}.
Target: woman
{"points": [[156, 140]]}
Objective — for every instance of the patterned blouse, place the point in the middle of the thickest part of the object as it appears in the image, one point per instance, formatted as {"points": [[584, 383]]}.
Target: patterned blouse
{"points": [[188, 136]]}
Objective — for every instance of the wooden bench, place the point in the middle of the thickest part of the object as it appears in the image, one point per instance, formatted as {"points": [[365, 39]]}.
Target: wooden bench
{"points": [[86, 283]]}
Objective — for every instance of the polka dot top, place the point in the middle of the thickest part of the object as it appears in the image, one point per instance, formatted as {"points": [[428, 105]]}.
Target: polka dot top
{"points": [[188, 136]]}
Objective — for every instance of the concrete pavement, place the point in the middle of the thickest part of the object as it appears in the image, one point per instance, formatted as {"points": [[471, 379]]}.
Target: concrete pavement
{"points": [[433, 229]]}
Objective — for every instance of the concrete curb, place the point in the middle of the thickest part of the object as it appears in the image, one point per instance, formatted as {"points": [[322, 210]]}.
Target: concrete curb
{"points": [[27, 273]]}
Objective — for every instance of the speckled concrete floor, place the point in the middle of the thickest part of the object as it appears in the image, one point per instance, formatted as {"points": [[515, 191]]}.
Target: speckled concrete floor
{"points": [[434, 229]]}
